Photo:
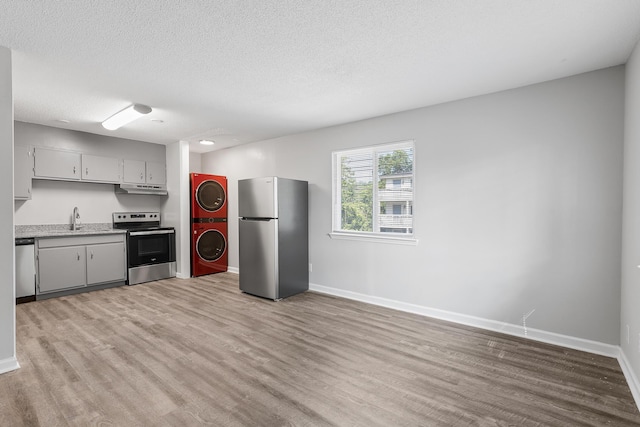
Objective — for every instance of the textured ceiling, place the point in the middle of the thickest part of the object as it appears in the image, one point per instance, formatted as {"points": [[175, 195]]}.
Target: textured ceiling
{"points": [[242, 71]]}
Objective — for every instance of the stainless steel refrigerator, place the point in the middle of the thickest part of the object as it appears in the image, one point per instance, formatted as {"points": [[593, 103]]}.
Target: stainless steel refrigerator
{"points": [[274, 236]]}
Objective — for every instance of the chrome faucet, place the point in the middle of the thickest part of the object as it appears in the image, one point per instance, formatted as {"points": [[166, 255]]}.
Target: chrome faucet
{"points": [[75, 222]]}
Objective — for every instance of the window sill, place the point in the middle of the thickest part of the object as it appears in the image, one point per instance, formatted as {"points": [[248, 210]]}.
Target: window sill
{"points": [[374, 238]]}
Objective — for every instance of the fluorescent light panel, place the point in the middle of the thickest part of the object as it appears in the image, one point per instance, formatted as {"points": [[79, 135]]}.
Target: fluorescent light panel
{"points": [[125, 116], [206, 142]]}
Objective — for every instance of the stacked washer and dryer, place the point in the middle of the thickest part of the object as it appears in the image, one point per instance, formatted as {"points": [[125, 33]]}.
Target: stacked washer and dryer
{"points": [[208, 224]]}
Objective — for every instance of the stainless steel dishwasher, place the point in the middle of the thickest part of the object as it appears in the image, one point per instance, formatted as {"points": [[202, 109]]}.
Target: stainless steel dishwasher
{"points": [[25, 270]]}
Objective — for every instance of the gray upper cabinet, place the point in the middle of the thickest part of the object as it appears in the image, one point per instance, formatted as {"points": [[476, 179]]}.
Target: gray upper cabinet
{"points": [[60, 164], [100, 169], [156, 173], [23, 172], [134, 171], [51, 163], [141, 172]]}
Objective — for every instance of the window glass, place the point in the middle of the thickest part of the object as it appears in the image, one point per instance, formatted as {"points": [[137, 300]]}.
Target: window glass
{"points": [[373, 189]]}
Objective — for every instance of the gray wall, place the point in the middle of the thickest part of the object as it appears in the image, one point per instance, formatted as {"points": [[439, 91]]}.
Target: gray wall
{"points": [[630, 310], [7, 295], [53, 201], [518, 205]]}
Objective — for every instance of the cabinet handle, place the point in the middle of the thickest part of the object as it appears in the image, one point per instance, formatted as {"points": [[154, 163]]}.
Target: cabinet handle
{"points": [[86, 171], [74, 170], [91, 254], [78, 255], [141, 176]]}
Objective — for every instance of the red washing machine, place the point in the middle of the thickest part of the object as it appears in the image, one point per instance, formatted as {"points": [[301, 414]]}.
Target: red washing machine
{"points": [[208, 246], [208, 224], [208, 196]]}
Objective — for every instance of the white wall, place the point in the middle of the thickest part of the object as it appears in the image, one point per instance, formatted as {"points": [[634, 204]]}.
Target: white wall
{"points": [[630, 310], [176, 207], [52, 202], [518, 205], [195, 162], [30, 134], [7, 282]]}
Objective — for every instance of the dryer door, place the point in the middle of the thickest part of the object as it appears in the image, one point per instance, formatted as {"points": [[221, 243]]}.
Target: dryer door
{"points": [[210, 196]]}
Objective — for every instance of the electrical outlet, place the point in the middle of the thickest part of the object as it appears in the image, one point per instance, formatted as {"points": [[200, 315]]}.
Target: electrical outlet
{"points": [[310, 268]]}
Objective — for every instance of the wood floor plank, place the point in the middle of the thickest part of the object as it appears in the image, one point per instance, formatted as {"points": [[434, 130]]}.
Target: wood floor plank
{"points": [[199, 352]]}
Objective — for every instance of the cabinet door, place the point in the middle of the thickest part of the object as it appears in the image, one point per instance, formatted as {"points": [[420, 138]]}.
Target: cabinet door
{"points": [[22, 172], [100, 168], [156, 173], [61, 268], [106, 263], [134, 171], [51, 163]]}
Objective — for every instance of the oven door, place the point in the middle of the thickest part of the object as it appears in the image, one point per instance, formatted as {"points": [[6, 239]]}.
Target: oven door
{"points": [[151, 247]]}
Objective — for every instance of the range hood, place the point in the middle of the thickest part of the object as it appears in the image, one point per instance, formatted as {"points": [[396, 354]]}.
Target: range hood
{"points": [[153, 189]]}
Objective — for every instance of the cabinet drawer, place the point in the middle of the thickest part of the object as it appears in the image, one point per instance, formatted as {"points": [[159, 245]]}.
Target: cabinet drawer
{"points": [[52, 242]]}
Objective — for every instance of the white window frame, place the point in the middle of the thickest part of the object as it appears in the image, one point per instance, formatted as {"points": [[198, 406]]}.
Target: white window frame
{"points": [[336, 208]]}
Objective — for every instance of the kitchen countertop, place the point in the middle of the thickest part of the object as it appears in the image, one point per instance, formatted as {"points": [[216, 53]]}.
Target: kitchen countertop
{"points": [[64, 230]]}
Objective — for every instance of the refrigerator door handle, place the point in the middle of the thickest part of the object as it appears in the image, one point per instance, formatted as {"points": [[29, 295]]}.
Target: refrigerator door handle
{"points": [[255, 219]]}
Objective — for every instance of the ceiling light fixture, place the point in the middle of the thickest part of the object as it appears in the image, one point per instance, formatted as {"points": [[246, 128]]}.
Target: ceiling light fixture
{"points": [[125, 116], [206, 142]]}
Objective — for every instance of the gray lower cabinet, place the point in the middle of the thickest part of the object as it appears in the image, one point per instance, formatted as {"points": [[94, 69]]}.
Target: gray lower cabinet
{"points": [[66, 263], [105, 263], [61, 268]]}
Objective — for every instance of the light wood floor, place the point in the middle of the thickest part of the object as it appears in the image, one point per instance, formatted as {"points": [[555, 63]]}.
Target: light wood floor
{"points": [[199, 352]]}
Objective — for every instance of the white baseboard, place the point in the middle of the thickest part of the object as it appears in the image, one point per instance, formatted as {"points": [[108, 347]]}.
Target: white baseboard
{"points": [[234, 270], [507, 328], [182, 276], [9, 364], [631, 377], [478, 322]]}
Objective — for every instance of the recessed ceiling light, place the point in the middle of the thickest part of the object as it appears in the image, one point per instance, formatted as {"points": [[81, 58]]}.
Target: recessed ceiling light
{"points": [[157, 120], [206, 142], [62, 121]]}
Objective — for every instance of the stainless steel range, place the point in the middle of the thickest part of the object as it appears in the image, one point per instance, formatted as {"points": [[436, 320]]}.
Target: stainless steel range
{"points": [[151, 249]]}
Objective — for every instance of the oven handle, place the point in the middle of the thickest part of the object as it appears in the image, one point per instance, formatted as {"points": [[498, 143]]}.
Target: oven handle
{"points": [[147, 233]]}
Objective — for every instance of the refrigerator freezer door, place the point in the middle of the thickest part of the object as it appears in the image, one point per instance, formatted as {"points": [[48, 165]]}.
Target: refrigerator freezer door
{"points": [[259, 257], [257, 198]]}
